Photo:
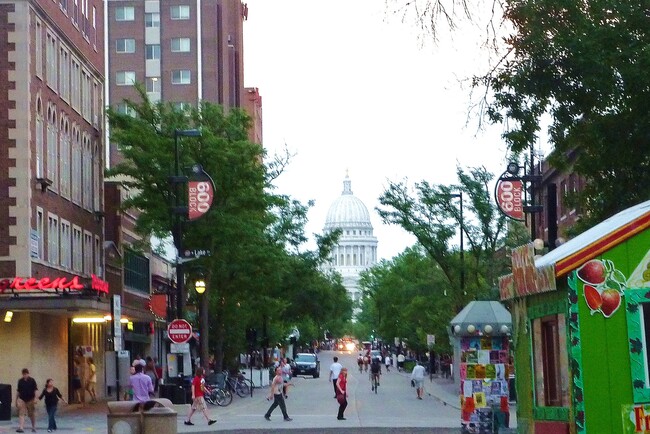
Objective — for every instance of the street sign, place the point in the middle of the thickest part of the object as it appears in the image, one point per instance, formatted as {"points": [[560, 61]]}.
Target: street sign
{"points": [[117, 325], [194, 253], [179, 348], [179, 331], [200, 193]]}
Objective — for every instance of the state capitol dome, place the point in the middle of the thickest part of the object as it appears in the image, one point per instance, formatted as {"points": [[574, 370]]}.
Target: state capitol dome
{"points": [[356, 250], [347, 211]]}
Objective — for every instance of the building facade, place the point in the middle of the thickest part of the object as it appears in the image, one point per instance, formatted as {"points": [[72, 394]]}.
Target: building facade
{"points": [[51, 189], [357, 247], [181, 51]]}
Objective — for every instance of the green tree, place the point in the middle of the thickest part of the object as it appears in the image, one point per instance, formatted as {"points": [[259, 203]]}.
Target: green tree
{"points": [[253, 235], [432, 215]]}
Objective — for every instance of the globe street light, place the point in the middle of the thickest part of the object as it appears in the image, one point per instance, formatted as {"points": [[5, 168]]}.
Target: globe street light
{"points": [[199, 286]]}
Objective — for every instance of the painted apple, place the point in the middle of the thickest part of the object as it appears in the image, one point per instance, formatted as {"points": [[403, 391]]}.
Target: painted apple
{"points": [[611, 301], [593, 272], [593, 298]]}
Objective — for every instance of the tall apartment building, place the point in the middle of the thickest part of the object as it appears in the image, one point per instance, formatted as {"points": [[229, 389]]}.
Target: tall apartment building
{"points": [[182, 51], [51, 188]]}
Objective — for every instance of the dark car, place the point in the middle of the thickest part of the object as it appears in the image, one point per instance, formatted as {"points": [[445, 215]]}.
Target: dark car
{"points": [[306, 364]]}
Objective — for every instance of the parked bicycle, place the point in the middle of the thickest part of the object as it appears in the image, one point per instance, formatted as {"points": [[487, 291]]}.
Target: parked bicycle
{"points": [[217, 395], [238, 384]]}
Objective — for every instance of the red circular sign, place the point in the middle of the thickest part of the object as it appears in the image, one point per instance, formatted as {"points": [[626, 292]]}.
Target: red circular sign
{"points": [[179, 331]]}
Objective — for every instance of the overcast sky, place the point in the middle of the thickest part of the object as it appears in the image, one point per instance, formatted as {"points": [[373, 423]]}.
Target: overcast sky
{"points": [[350, 87]]}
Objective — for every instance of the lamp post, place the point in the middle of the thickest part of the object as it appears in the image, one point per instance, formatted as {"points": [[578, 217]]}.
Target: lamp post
{"points": [[200, 288], [179, 211]]}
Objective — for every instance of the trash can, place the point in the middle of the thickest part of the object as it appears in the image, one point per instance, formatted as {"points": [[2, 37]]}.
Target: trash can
{"points": [[122, 420], [5, 401], [159, 420]]}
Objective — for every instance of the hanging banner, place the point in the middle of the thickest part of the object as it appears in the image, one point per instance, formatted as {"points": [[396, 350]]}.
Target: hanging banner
{"points": [[200, 193], [508, 194]]}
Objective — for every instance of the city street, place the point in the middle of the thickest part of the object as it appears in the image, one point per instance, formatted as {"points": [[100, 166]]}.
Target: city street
{"points": [[311, 404]]}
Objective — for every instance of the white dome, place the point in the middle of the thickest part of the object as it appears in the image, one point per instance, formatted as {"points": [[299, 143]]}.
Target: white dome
{"points": [[347, 211]]}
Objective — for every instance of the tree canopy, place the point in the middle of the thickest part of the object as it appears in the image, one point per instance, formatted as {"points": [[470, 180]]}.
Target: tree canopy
{"points": [[257, 276]]}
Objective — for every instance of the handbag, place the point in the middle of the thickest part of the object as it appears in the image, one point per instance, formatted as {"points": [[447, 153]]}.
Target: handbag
{"points": [[340, 398], [412, 383]]}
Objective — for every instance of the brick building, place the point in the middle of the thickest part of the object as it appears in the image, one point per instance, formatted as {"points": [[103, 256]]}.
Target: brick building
{"points": [[51, 189]]}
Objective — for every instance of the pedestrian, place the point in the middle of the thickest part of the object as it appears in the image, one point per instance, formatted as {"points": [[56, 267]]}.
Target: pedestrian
{"points": [[286, 375], [141, 385], [335, 370], [138, 361], [387, 361], [400, 362], [342, 392], [128, 390], [278, 398], [26, 400], [91, 381], [52, 397], [417, 377], [198, 402], [150, 371], [76, 380]]}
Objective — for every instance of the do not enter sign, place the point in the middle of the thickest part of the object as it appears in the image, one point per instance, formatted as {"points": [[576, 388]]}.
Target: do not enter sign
{"points": [[179, 331]]}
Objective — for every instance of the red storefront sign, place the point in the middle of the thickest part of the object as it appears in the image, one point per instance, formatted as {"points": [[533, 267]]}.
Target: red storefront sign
{"points": [[47, 283]]}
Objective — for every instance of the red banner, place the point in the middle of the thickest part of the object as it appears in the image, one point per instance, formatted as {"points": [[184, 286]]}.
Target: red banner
{"points": [[200, 195], [509, 197]]}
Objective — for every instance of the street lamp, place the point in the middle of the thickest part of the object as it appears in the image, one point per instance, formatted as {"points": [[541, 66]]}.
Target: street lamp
{"points": [[200, 288], [179, 211]]}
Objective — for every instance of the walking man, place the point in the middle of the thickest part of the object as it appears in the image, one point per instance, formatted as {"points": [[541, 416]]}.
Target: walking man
{"points": [[26, 400], [141, 385], [278, 398], [198, 400], [418, 377], [335, 370]]}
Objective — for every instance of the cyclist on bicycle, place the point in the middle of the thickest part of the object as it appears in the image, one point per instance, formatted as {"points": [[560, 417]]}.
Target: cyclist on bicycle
{"points": [[360, 362], [375, 371]]}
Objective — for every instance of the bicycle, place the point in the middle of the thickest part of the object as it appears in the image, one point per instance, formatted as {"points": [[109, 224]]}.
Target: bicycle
{"points": [[216, 395], [238, 384]]}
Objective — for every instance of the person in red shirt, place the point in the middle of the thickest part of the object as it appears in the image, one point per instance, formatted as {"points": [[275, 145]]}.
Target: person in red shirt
{"points": [[198, 402], [342, 392]]}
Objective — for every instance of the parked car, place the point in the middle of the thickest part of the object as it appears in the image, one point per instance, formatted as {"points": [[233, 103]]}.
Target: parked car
{"points": [[306, 364]]}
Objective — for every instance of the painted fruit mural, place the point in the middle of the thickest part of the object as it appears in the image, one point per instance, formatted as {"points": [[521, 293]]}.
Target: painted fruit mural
{"points": [[603, 286]]}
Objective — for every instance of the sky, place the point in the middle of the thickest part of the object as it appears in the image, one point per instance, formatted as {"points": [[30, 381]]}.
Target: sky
{"points": [[351, 87]]}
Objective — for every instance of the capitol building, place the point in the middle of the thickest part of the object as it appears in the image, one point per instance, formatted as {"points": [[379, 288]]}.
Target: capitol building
{"points": [[357, 247]]}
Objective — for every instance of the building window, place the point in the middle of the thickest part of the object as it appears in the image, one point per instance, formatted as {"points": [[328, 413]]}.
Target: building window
{"points": [[136, 271], [124, 13], [64, 159], [152, 20], [98, 258], [637, 311], [152, 52], [180, 45], [550, 359], [86, 96], [39, 232], [125, 78], [97, 158], [66, 245], [88, 253], [76, 166], [39, 138], [180, 12], [51, 58], [64, 76], [153, 84], [126, 45], [87, 174], [52, 239], [181, 76], [77, 250], [182, 106], [38, 48], [125, 109], [52, 147]]}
